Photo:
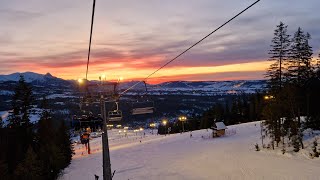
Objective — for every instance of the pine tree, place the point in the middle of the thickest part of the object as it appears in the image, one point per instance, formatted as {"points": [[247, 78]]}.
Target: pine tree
{"points": [[300, 72], [300, 68], [317, 69], [295, 143], [1, 122], [283, 150], [30, 167], [65, 144], [55, 147], [45, 111], [49, 152], [257, 147], [21, 104], [307, 58], [279, 54], [4, 170]]}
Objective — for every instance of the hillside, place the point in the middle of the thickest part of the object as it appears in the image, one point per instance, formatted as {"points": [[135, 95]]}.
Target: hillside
{"points": [[178, 156]]}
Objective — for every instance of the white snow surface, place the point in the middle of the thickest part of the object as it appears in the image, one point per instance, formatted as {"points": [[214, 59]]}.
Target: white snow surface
{"points": [[177, 156], [4, 114]]}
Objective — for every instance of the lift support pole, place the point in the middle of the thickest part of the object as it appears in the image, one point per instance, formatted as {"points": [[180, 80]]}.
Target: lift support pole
{"points": [[105, 144]]}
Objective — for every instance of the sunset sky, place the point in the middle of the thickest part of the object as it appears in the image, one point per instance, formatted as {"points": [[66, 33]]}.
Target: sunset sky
{"points": [[132, 38]]}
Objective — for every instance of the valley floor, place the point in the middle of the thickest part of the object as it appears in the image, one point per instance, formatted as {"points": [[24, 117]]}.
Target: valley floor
{"points": [[175, 157]]}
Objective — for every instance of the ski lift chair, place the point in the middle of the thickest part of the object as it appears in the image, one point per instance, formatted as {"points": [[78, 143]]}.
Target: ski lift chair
{"points": [[115, 115], [144, 106]]}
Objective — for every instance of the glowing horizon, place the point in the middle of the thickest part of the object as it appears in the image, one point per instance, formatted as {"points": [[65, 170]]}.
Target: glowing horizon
{"points": [[172, 73]]}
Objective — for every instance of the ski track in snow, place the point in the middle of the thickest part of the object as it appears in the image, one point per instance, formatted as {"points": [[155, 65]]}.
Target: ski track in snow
{"points": [[177, 156]]}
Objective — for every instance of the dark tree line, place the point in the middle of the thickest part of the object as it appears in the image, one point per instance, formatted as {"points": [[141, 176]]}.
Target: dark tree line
{"points": [[33, 150], [242, 108]]}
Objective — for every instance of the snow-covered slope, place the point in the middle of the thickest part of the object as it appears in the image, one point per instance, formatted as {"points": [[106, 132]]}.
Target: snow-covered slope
{"points": [[178, 156]]}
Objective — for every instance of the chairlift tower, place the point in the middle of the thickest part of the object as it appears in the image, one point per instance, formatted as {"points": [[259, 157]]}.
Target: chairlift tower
{"points": [[102, 94], [105, 143]]}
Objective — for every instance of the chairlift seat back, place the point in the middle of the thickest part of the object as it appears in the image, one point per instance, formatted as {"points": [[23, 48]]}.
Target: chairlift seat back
{"points": [[146, 107], [145, 110], [115, 115]]}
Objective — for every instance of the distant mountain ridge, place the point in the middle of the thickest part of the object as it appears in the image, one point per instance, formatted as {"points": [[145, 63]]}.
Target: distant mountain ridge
{"points": [[209, 87], [172, 87], [28, 76], [35, 78], [198, 87]]}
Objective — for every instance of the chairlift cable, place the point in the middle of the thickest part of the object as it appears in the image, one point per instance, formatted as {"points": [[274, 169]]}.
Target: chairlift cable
{"points": [[170, 61], [89, 51]]}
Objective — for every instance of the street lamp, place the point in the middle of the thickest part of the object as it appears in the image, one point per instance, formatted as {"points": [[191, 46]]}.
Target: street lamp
{"points": [[182, 119], [164, 122], [152, 125], [268, 97], [80, 81]]}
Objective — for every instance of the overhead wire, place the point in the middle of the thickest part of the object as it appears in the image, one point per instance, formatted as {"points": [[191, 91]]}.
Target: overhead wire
{"points": [[176, 57], [89, 51]]}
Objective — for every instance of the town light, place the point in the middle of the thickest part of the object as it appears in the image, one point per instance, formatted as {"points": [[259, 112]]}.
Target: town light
{"points": [[80, 81], [152, 125], [164, 122], [182, 118], [268, 97]]}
